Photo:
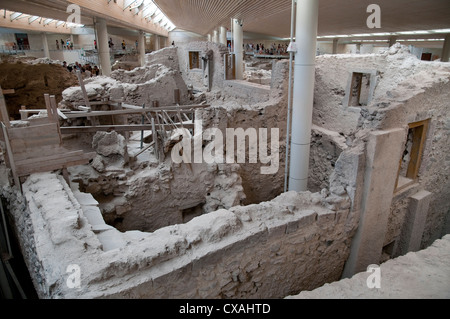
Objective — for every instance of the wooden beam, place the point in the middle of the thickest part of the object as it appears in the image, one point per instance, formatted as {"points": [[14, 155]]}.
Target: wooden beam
{"points": [[12, 164], [4, 110], [48, 106], [117, 128], [8, 91], [55, 117], [83, 89], [142, 150], [61, 114], [76, 114]]}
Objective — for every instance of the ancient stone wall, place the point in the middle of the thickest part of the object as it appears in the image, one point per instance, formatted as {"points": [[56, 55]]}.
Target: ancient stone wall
{"points": [[405, 90], [195, 77], [269, 250]]}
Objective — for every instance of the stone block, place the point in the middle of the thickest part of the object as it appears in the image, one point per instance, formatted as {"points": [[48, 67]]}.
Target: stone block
{"points": [[414, 224]]}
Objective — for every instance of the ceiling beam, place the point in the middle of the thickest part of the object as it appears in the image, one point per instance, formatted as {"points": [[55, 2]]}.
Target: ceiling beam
{"points": [[24, 24], [114, 12]]}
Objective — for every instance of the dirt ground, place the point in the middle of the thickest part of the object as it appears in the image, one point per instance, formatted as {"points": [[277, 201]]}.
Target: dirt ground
{"points": [[31, 82]]}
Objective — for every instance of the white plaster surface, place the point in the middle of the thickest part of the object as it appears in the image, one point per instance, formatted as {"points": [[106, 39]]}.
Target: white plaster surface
{"points": [[416, 275]]}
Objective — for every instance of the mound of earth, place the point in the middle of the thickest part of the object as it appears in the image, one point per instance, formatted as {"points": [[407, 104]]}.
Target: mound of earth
{"points": [[31, 82]]}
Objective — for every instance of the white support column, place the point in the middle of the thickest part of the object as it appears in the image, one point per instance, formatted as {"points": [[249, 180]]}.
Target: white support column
{"points": [[103, 47], [141, 47], [238, 34], [446, 49], [45, 45], [215, 38], [223, 35], [302, 106], [209, 37], [335, 45], [157, 43]]}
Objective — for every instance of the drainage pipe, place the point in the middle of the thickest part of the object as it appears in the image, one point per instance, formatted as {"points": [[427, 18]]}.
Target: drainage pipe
{"points": [[302, 108], [289, 120]]}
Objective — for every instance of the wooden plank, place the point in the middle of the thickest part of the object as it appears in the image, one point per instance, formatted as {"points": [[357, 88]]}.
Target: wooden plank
{"points": [[38, 121], [48, 106], [419, 135], [23, 115], [61, 114], [29, 154], [8, 91], [61, 154], [37, 131], [83, 89], [117, 128], [143, 150], [55, 117], [155, 138], [133, 111], [26, 139], [10, 156], [4, 110], [48, 166], [22, 110]]}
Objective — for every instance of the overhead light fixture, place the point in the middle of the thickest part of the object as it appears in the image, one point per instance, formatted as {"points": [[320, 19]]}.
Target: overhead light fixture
{"points": [[362, 35], [414, 32], [441, 31]]}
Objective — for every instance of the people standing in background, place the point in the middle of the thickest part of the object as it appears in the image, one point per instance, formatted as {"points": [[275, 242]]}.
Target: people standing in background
{"points": [[137, 44], [95, 44], [57, 45], [95, 71], [62, 44], [123, 45]]}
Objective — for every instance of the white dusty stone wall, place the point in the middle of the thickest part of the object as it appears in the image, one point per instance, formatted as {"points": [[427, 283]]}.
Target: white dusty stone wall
{"points": [[407, 90], [417, 275], [268, 250], [154, 82], [147, 194], [236, 108], [195, 77]]}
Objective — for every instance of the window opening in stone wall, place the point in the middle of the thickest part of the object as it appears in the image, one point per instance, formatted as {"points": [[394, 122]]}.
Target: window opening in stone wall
{"points": [[194, 60], [412, 154], [360, 89]]}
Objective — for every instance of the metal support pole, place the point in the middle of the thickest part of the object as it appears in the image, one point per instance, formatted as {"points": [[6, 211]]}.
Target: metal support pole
{"points": [[304, 73], [289, 118]]}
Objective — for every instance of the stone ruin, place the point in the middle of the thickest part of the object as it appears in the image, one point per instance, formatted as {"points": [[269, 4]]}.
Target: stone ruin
{"points": [[142, 227]]}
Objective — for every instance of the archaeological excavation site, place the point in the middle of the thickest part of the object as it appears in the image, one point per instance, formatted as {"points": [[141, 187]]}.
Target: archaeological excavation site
{"points": [[206, 162]]}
